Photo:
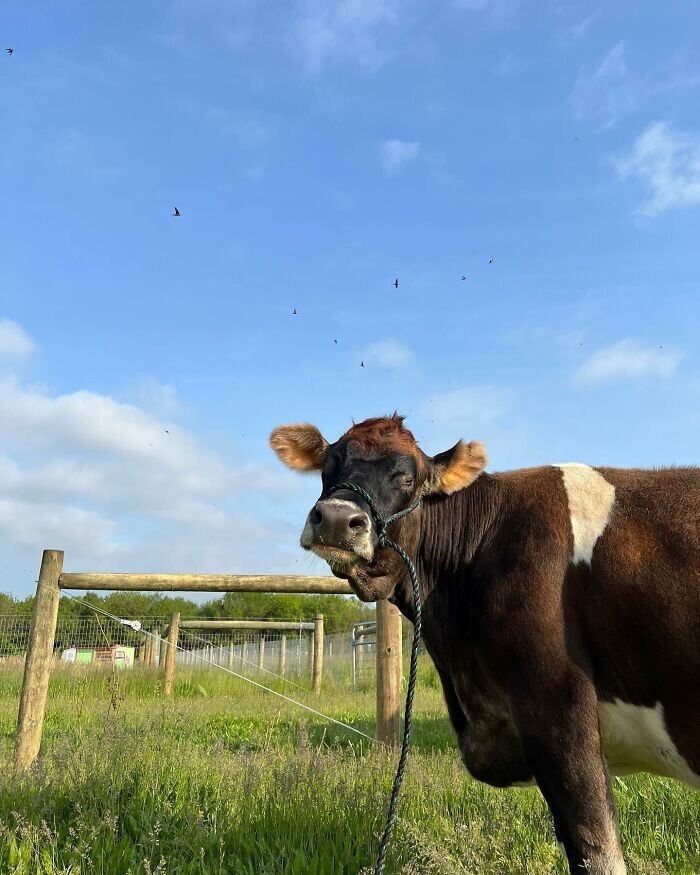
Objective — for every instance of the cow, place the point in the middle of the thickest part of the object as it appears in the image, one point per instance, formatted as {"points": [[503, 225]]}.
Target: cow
{"points": [[561, 607]]}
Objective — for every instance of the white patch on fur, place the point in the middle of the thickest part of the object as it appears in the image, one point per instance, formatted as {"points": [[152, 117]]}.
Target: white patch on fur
{"points": [[591, 499], [635, 739], [611, 863], [606, 863]]}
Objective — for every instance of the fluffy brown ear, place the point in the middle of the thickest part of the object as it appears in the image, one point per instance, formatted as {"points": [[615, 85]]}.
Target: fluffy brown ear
{"points": [[456, 468], [301, 447]]}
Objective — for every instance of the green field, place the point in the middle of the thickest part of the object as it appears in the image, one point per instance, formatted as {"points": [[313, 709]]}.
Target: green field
{"points": [[227, 779]]}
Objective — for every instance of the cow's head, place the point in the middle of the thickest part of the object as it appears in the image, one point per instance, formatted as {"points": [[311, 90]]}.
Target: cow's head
{"points": [[382, 457]]}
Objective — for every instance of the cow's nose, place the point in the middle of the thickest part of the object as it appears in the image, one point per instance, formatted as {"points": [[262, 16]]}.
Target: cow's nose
{"points": [[338, 522]]}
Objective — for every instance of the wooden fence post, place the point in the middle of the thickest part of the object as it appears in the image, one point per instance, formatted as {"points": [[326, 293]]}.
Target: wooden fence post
{"points": [[151, 650], [173, 635], [37, 666], [318, 654], [162, 646], [389, 670], [261, 651], [283, 654]]}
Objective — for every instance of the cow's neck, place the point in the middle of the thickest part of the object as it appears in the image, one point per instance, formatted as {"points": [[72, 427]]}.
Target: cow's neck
{"points": [[452, 529]]}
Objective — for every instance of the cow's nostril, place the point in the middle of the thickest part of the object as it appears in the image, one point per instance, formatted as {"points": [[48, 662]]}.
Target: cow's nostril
{"points": [[315, 517], [358, 522]]}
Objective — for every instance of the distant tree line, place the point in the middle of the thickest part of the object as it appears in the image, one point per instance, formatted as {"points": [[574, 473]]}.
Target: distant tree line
{"points": [[339, 612]]}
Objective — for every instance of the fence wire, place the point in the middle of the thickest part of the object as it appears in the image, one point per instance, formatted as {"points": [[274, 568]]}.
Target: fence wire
{"points": [[98, 640], [348, 658], [249, 651]]}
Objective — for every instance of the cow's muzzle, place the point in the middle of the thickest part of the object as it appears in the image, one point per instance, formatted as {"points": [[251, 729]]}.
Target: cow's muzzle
{"points": [[339, 531]]}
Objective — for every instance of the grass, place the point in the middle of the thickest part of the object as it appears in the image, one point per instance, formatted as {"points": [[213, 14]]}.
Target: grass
{"points": [[227, 779]]}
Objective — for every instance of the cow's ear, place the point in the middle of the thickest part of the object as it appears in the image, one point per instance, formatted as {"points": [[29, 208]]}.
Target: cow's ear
{"points": [[301, 447], [456, 468]]}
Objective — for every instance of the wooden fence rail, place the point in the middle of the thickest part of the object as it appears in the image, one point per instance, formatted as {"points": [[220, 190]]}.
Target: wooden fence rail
{"points": [[42, 635], [205, 583], [226, 625]]}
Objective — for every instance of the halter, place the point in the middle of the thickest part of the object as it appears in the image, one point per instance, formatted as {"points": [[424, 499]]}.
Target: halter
{"points": [[383, 540], [382, 524]]}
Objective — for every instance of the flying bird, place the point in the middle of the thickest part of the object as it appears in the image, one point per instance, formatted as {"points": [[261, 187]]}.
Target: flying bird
{"points": [[9, 51], [463, 277], [362, 364], [176, 212], [335, 341], [491, 260], [396, 283], [294, 312]]}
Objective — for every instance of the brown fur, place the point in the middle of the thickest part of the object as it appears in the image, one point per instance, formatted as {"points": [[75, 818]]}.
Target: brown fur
{"points": [[462, 465], [301, 447], [528, 644], [383, 434]]}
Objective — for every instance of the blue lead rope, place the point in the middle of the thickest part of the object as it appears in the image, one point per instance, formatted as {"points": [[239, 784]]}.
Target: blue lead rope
{"points": [[385, 541]]}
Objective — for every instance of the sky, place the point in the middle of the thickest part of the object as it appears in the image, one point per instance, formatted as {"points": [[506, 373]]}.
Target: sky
{"points": [[317, 151]]}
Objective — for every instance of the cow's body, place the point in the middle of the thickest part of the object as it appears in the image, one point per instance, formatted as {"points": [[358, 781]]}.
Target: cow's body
{"points": [[561, 606], [604, 576]]}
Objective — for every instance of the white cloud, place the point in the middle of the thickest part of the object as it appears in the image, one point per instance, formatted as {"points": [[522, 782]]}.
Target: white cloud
{"points": [[613, 64], [15, 343], [329, 31], [396, 154], [606, 93], [628, 360], [118, 487], [387, 353], [40, 525], [668, 163], [89, 447], [483, 412], [157, 397], [581, 27], [475, 406]]}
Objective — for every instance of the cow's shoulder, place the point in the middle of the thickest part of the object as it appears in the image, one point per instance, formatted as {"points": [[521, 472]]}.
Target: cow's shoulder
{"points": [[534, 512]]}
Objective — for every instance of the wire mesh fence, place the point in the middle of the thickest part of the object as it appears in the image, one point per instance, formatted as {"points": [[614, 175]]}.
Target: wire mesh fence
{"points": [[84, 640], [363, 640], [136, 643], [248, 651]]}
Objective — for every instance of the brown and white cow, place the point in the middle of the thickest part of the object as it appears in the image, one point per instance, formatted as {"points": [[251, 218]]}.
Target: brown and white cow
{"points": [[561, 609]]}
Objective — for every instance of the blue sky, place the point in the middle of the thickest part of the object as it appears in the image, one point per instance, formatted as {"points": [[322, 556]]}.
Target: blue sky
{"points": [[316, 151]]}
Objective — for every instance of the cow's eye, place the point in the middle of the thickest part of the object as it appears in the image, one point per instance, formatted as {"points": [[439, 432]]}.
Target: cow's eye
{"points": [[403, 481]]}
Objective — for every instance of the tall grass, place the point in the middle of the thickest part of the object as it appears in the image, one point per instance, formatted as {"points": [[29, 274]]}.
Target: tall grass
{"points": [[226, 779]]}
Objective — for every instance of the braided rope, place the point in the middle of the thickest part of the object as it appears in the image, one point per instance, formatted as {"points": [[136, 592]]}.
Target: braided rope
{"points": [[385, 541]]}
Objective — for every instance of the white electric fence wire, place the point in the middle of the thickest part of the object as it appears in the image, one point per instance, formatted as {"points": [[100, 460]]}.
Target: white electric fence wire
{"points": [[223, 668], [255, 665]]}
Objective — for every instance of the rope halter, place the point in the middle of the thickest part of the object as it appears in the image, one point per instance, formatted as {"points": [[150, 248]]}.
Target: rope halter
{"points": [[383, 540], [381, 523]]}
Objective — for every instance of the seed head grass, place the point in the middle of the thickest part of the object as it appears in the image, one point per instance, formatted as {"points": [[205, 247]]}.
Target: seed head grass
{"points": [[224, 778]]}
